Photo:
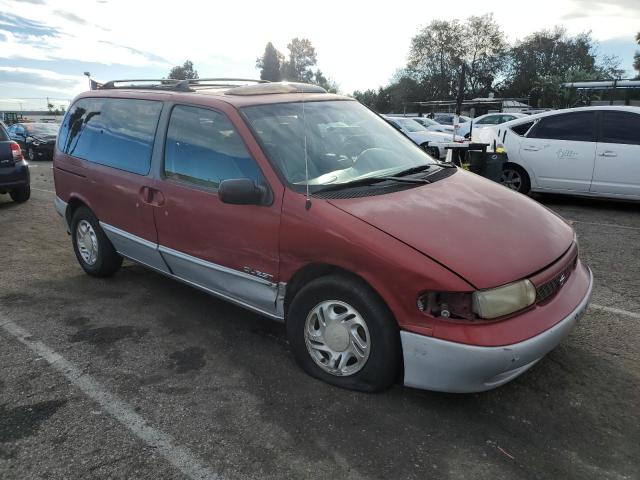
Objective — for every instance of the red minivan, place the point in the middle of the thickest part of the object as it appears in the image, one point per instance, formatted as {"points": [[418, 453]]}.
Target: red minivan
{"points": [[385, 264]]}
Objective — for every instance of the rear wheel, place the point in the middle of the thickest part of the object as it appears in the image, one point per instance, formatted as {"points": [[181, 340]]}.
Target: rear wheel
{"points": [[515, 178], [21, 194], [342, 333], [31, 154], [94, 251]]}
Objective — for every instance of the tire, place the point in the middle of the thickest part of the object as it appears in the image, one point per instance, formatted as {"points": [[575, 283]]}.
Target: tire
{"points": [[357, 302], [20, 195], [94, 251], [31, 154], [514, 177]]}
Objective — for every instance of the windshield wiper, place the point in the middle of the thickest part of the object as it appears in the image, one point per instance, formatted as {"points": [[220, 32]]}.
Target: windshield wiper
{"points": [[416, 169], [370, 181]]}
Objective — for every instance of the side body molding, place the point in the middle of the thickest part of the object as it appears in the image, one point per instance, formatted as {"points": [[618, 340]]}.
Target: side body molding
{"points": [[253, 293], [136, 248]]}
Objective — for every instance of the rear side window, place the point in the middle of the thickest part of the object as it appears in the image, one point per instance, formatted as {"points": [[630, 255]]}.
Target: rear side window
{"points": [[522, 129], [115, 132], [204, 148], [3, 134], [620, 127], [577, 126]]}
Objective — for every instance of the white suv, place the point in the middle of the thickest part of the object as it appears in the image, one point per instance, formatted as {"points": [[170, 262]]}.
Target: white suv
{"points": [[592, 151]]}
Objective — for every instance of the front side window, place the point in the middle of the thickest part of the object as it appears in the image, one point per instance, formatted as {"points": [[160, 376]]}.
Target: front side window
{"points": [[575, 126], [341, 140], [620, 127], [204, 148], [115, 132]]}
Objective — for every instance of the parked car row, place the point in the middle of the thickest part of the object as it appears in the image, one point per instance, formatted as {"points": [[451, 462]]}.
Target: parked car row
{"points": [[308, 208], [432, 142]]}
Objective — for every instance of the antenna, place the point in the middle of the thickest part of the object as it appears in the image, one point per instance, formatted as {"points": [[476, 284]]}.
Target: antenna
{"points": [[307, 204]]}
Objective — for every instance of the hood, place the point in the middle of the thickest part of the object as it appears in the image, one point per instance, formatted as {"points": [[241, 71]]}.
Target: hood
{"points": [[430, 136], [44, 138], [486, 233]]}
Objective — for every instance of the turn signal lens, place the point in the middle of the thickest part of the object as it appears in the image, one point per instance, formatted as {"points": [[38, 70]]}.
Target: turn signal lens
{"points": [[504, 300]]}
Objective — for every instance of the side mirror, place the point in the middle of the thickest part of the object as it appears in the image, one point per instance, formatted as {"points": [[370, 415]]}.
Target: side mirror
{"points": [[241, 191]]}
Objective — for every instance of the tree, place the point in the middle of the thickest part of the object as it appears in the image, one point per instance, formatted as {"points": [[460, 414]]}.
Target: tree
{"points": [[270, 64], [183, 72], [636, 57], [541, 62], [326, 83], [436, 55], [302, 56], [485, 54]]}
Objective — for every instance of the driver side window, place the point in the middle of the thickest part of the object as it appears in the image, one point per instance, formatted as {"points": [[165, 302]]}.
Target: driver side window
{"points": [[204, 148]]}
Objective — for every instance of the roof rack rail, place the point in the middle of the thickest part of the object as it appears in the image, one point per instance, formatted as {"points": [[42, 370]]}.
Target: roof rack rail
{"points": [[176, 85]]}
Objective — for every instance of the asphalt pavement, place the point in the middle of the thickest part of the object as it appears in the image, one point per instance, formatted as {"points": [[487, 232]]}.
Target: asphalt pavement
{"points": [[140, 377]]}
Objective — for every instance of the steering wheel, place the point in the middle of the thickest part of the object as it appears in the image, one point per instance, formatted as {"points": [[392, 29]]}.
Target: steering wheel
{"points": [[376, 158]]}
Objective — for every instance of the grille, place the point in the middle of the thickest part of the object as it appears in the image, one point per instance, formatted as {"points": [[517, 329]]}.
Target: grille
{"points": [[550, 288]]}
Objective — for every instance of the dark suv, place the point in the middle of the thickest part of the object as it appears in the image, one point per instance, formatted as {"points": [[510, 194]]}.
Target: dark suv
{"points": [[14, 171]]}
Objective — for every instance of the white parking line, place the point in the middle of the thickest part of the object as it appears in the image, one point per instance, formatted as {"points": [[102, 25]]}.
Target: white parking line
{"points": [[163, 443], [41, 190], [617, 311]]}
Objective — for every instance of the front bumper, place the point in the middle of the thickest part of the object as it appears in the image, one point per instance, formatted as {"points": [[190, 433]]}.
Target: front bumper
{"points": [[434, 364], [15, 176]]}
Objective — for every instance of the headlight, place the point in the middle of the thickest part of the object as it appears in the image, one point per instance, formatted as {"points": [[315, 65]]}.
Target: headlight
{"points": [[504, 300]]}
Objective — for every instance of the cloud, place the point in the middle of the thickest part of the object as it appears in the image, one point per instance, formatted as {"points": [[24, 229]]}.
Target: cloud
{"points": [[41, 79], [591, 8], [33, 2], [152, 57], [23, 26], [72, 17]]}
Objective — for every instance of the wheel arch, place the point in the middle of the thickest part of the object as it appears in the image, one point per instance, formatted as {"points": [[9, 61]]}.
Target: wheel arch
{"points": [[313, 271], [73, 204]]}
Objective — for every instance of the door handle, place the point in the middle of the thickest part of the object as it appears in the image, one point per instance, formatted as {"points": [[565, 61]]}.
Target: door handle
{"points": [[145, 195], [151, 196], [608, 153], [531, 148]]}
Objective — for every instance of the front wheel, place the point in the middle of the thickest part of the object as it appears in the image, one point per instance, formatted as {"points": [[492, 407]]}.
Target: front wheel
{"points": [[31, 154], [515, 178], [341, 332], [94, 251]]}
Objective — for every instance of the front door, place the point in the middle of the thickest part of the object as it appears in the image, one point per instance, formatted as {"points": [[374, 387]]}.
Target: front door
{"points": [[560, 151], [229, 250], [617, 168]]}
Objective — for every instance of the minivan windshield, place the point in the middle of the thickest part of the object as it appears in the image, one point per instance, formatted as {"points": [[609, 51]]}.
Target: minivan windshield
{"points": [[344, 142]]}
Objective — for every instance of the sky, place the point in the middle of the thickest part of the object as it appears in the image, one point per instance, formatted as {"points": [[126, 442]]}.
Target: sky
{"points": [[46, 45]]}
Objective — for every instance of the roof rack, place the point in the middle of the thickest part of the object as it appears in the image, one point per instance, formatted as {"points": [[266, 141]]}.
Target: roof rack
{"points": [[177, 85]]}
